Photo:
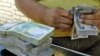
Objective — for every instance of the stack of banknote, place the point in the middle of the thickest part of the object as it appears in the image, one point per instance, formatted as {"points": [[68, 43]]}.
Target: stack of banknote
{"points": [[31, 32], [27, 38], [6, 26]]}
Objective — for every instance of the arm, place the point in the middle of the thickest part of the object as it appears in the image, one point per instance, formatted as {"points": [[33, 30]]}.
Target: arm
{"points": [[31, 8], [56, 17]]}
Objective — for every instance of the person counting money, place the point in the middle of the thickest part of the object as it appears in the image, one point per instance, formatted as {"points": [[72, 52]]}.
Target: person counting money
{"points": [[55, 13]]}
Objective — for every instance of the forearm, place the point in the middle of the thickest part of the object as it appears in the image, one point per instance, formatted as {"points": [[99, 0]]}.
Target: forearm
{"points": [[31, 8]]}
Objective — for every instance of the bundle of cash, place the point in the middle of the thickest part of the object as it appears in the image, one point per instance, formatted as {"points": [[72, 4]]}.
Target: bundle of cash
{"points": [[7, 42], [19, 47], [5, 27], [31, 32], [82, 30], [16, 51], [26, 38], [48, 52], [41, 48], [28, 47]]}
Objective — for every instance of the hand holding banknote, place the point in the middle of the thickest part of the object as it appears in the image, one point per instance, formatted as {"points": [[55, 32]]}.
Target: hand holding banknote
{"points": [[83, 30], [58, 18], [92, 19]]}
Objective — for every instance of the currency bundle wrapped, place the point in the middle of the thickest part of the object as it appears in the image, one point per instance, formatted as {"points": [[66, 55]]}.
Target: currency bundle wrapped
{"points": [[7, 42], [27, 38], [16, 51], [5, 27], [37, 50], [22, 48], [48, 52], [31, 32], [28, 47]]}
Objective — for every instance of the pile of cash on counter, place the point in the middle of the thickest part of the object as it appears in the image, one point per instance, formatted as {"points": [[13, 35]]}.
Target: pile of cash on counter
{"points": [[27, 38]]}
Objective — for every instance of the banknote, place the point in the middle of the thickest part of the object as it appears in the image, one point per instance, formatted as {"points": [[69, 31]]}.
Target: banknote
{"points": [[31, 32], [88, 30], [7, 26], [7, 42], [43, 47], [14, 46], [74, 35], [82, 30], [28, 47], [16, 51], [26, 38], [48, 52]]}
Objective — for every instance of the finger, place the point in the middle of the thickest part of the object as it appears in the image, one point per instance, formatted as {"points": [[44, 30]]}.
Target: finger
{"points": [[64, 29], [90, 16], [63, 26], [64, 20], [65, 14], [91, 22], [97, 15]]}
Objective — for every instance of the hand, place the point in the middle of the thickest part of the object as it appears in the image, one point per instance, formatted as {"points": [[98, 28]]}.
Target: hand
{"points": [[92, 19], [58, 18]]}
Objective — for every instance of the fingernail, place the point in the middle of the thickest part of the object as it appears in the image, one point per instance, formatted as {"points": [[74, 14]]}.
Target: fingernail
{"points": [[81, 20], [82, 16]]}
